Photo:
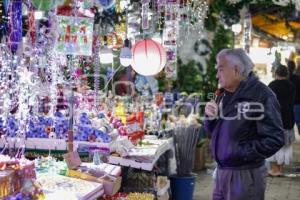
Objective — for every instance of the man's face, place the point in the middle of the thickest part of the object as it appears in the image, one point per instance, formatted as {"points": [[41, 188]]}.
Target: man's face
{"points": [[227, 74]]}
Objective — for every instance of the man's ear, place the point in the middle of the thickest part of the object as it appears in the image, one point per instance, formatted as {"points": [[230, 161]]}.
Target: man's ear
{"points": [[237, 70]]}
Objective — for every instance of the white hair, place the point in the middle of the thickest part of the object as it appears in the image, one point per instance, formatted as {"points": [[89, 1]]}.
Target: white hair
{"points": [[238, 57]]}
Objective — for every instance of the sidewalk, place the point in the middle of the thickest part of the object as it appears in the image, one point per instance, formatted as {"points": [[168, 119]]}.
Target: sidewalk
{"points": [[282, 188]]}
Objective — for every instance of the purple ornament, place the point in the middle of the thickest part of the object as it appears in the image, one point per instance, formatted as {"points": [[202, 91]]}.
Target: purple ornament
{"points": [[15, 25]]}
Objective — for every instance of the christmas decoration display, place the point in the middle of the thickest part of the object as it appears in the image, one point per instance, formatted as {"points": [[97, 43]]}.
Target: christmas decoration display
{"points": [[74, 36], [60, 62]]}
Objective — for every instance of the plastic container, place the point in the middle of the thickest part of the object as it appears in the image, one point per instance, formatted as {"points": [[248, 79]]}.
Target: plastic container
{"points": [[182, 187]]}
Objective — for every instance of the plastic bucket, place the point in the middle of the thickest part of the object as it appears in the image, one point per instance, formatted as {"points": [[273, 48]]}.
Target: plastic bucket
{"points": [[182, 187]]}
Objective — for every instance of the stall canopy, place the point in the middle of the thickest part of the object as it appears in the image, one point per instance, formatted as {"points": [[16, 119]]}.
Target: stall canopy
{"points": [[276, 23]]}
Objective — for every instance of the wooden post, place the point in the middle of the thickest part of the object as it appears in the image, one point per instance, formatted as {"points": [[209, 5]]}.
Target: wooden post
{"points": [[70, 141]]}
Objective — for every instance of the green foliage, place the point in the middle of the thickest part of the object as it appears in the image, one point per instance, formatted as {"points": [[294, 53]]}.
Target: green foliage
{"points": [[190, 78]]}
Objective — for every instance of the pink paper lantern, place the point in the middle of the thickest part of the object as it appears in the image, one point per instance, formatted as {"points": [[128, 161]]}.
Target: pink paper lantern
{"points": [[148, 57]]}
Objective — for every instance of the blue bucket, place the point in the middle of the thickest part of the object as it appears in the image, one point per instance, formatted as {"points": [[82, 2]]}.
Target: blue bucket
{"points": [[182, 187]]}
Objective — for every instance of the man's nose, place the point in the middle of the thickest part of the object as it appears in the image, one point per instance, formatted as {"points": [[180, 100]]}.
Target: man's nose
{"points": [[217, 75]]}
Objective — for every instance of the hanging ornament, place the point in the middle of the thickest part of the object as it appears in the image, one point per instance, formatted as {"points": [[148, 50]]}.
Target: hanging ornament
{"points": [[148, 57], [15, 24], [96, 61], [31, 26], [145, 14], [170, 37], [146, 85], [4, 5], [247, 30], [126, 55], [107, 4], [106, 55]]}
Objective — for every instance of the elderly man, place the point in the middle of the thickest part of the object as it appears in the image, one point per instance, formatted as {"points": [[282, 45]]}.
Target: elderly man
{"points": [[245, 127]]}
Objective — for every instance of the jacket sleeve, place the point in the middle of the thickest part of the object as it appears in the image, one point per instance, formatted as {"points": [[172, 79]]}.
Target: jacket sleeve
{"points": [[209, 126], [270, 133]]}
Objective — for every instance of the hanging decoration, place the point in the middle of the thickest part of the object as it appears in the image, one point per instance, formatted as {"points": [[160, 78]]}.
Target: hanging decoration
{"points": [[146, 85], [148, 57], [96, 59], [106, 19], [125, 54], [114, 39], [170, 34], [247, 30], [107, 4], [15, 24], [5, 58], [31, 26], [145, 14], [193, 34], [75, 35], [106, 55], [4, 6], [133, 23]]}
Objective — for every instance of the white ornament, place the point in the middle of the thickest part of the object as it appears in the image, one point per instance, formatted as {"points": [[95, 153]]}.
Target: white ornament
{"points": [[125, 56]]}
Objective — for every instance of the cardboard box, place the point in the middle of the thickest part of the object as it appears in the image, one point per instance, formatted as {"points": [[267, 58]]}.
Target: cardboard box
{"points": [[72, 159], [111, 184]]}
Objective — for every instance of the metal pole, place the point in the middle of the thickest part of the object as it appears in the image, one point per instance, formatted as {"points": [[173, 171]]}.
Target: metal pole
{"points": [[71, 107]]}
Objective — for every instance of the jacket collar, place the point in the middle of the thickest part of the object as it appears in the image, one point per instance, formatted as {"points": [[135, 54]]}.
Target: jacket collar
{"points": [[245, 89]]}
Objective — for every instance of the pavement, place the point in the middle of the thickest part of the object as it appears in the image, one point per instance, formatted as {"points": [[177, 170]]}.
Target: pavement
{"points": [[278, 188]]}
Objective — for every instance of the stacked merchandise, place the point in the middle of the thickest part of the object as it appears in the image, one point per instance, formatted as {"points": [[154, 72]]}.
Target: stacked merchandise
{"points": [[14, 173]]}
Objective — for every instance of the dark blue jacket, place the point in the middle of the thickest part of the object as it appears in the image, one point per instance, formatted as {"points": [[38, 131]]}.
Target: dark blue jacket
{"points": [[255, 131]]}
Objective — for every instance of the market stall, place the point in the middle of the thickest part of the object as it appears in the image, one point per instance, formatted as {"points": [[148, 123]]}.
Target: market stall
{"points": [[80, 105]]}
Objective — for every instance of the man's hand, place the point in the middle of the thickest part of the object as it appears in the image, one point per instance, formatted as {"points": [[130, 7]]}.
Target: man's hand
{"points": [[211, 110]]}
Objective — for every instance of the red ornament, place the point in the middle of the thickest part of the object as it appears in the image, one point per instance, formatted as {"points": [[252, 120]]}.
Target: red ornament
{"points": [[148, 57]]}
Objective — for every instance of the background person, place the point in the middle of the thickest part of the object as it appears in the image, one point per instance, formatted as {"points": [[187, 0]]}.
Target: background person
{"points": [[285, 93]]}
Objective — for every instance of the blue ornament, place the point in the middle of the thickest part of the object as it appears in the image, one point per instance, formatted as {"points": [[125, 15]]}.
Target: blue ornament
{"points": [[101, 115], [106, 4], [141, 85]]}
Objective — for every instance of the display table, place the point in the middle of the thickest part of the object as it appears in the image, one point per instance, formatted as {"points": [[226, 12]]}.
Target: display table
{"points": [[153, 154], [50, 144], [62, 187]]}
